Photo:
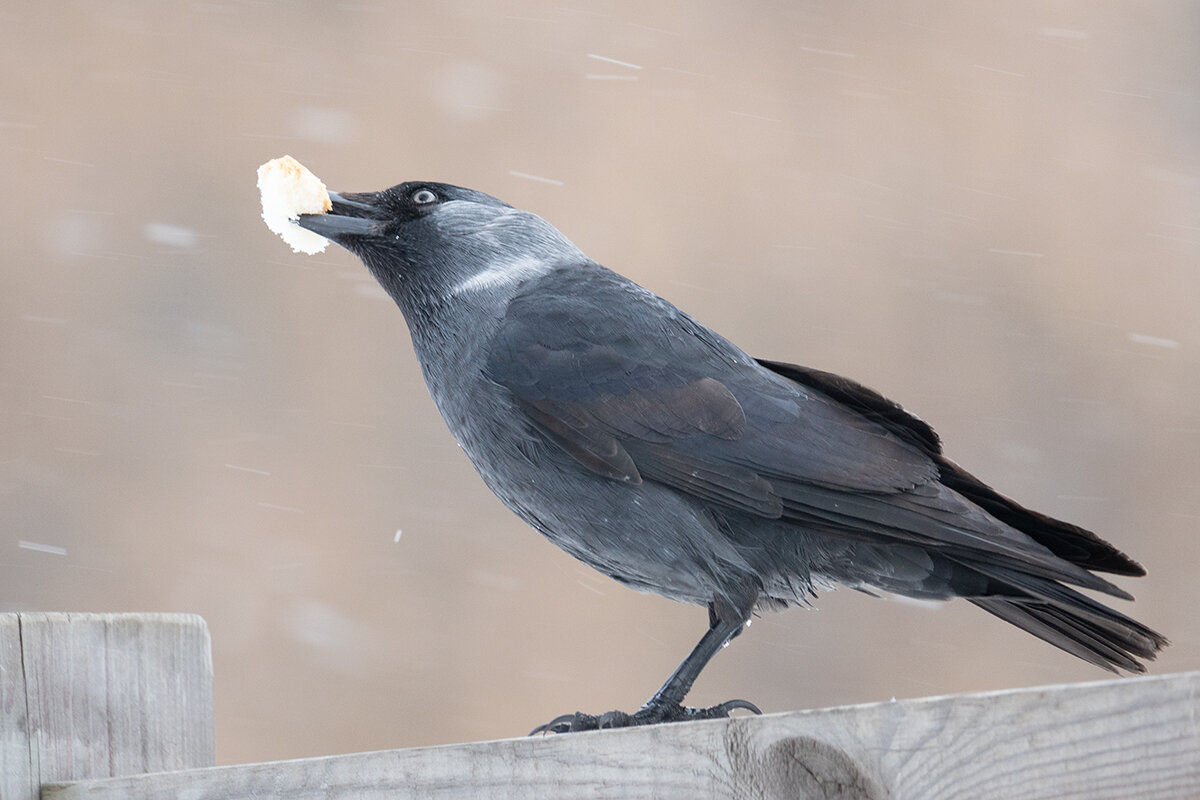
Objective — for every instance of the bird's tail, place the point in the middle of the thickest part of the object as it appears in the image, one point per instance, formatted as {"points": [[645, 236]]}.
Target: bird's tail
{"points": [[1069, 620]]}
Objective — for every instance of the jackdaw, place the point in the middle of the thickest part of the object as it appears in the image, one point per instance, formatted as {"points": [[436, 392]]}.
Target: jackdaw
{"points": [[659, 453]]}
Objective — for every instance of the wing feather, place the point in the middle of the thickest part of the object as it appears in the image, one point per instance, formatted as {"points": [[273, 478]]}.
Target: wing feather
{"points": [[676, 404]]}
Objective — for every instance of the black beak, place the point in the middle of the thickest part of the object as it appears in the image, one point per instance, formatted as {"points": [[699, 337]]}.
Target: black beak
{"points": [[351, 215]]}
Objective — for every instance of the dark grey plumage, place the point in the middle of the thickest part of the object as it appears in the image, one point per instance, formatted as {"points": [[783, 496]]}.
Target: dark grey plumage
{"points": [[656, 451]]}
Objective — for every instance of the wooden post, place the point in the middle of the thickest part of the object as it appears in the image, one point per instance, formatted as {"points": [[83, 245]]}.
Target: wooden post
{"points": [[101, 695]]}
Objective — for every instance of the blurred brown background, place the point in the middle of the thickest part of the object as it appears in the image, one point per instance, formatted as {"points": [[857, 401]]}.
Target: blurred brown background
{"points": [[990, 214]]}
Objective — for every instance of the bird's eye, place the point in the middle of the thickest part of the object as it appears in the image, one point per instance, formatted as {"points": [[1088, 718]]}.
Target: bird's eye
{"points": [[424, 196]]}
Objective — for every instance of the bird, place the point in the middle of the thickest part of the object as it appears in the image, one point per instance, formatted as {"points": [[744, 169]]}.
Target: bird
{"points": [[656, 451]]}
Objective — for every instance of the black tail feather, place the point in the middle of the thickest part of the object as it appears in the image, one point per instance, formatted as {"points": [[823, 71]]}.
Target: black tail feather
{"points": [[1069, 620], [1065, 632]]}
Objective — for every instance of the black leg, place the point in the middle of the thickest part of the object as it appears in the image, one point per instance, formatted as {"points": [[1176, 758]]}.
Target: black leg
{"points": [[724, 622]]}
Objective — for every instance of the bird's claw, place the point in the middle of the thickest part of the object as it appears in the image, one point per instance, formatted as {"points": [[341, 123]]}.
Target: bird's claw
{"points": [[649, 714]]}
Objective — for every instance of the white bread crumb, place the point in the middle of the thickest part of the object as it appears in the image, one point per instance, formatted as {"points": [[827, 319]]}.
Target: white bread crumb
{"points": [[288, 190]]}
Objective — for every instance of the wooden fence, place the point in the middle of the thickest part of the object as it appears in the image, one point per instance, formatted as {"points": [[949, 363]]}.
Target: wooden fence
{"points": [[91, 702]]}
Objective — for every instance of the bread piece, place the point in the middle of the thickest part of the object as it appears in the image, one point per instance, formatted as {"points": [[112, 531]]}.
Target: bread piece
{"points": [[288, 190]]}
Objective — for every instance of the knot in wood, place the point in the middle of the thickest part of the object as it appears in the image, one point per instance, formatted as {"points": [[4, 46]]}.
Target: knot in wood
{"points": [[796, 768]]}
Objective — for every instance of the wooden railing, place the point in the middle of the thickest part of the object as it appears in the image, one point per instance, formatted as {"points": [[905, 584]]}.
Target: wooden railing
{"points": [[89, 703]]}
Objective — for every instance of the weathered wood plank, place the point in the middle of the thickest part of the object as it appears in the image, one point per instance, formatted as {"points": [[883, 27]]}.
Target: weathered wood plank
{"points": [[1137, 737], [98, 695]]}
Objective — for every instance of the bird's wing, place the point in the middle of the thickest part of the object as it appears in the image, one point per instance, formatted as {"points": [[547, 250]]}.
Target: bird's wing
{"points": [[1065, 540], [633, 389], [865, 401], [656, 395]]}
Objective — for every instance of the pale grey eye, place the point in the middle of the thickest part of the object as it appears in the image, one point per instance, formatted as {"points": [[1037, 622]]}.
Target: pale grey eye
{"points": [[424, 197]]}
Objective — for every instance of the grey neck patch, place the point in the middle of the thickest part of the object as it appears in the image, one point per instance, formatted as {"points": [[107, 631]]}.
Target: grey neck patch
{"points": [[510, 246], [503, 273]]}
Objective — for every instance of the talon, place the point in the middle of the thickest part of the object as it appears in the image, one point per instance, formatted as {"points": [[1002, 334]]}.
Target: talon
{"points": [[560, 724], [730, 705], [569, 723]]}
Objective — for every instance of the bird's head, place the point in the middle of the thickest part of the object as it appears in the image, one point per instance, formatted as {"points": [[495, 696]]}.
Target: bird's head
{"points": [[436, 241]]}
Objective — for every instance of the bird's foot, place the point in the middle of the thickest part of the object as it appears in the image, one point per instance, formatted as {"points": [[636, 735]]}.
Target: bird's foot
{"points": [[649, 714]]}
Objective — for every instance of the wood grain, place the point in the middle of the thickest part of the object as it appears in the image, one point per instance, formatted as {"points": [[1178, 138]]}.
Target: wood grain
{"points": [[1128, 738], [99, 695]]}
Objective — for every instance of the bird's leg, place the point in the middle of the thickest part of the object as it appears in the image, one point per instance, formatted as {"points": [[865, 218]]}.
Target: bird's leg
{"points": [[722, 627], [724, 622]]}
